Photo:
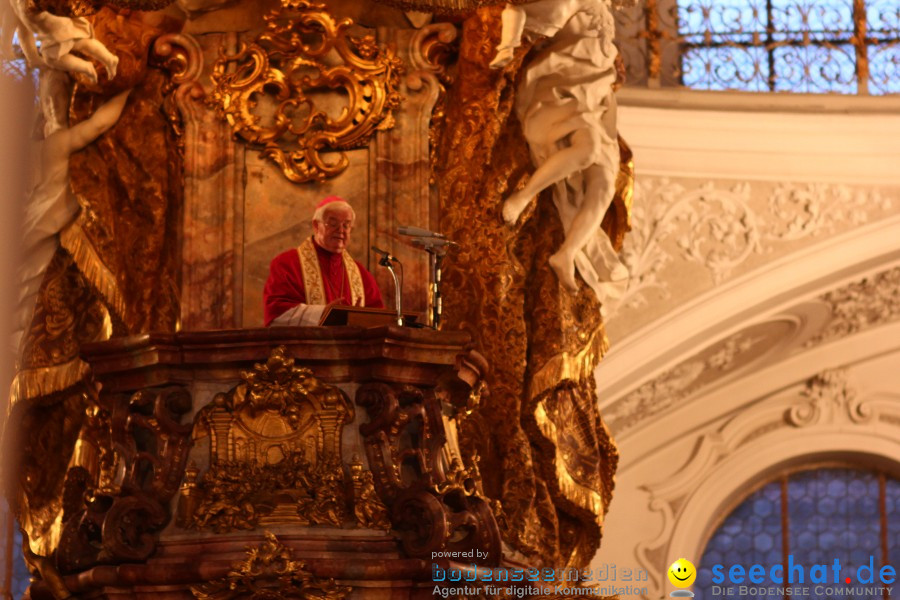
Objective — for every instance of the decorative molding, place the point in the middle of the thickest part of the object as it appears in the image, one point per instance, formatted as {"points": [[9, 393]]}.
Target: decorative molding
{"points": [[212, 244], [829, 398], [826, 417], [719, 229], [710, 135], [435, 501], [127, 466], [710, 366], [860, 305], [799, 211], [267, 90], [399, 173], [853, 308], [779, 285]]}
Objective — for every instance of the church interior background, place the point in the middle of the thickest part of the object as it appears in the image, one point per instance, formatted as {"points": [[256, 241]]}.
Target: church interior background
{"points": [[737, 401]]}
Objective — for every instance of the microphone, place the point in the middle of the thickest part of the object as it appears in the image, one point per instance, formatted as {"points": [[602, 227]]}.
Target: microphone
{"points": [[384, 255], [419, 232], [430, 242]]}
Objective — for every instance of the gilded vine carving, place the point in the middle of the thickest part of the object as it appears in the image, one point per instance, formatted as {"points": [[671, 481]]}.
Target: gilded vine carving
{"points": [[268, 90], [368, 508]]}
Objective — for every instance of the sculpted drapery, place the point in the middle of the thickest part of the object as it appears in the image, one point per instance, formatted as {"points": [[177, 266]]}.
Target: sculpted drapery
{"points": [[545, 453], [113, 274]]}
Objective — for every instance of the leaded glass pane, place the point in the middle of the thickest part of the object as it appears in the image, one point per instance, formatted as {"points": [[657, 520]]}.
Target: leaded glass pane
{"points": [[21, 578], [834, 514], [892, 510], [726, 68], [884, 69], [721, 18], [808, 46], [750, 535], [830, 19], [815, 69], [883, 19]]}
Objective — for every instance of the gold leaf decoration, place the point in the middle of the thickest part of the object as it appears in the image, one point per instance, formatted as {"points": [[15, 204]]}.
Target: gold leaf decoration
{"points": [[368, 508], [274, 452], [270, 573], [277, 92]]}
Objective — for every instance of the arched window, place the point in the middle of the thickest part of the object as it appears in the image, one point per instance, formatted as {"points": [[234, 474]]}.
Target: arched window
{"points": [[816, 516]]}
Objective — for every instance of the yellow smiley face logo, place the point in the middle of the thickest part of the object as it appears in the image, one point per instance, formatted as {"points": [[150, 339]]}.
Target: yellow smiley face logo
{"points": [[682, 573]]}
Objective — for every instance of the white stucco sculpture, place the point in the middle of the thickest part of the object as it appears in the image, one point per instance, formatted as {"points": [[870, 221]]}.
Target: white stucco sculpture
{"points": [[50, 204], [47, 42], [53, 38], [567, 109]]}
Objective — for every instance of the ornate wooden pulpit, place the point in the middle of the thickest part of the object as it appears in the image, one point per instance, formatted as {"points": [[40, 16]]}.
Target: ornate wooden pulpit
{"points": [[273, 463]]}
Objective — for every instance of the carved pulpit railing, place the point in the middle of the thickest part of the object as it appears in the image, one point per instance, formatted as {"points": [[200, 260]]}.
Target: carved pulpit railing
{"points": [[286, 462]]}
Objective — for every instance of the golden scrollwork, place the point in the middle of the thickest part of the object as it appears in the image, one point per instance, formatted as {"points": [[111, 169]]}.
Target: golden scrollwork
{"points": [[274, 452], [270, 91], [270, 573]]}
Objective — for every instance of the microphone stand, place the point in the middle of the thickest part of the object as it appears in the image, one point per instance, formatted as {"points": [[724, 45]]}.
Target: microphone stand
{"points": [[386, 261], [437, 260], [437, 250]]}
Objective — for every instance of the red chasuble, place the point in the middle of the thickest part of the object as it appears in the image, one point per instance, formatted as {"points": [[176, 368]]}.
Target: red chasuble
{"points": [[284, 288]]}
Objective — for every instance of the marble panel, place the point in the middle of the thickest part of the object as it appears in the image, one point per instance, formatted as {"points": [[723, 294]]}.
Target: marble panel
{"points": [[401, 169]]}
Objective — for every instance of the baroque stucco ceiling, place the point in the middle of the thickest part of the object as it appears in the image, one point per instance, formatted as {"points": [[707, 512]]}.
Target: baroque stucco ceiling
{"points": [[763, 234]]}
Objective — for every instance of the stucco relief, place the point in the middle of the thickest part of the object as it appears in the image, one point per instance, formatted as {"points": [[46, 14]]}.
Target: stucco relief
{"points": [[709, 231], [859, 305], [701, 370], [852, 308]]}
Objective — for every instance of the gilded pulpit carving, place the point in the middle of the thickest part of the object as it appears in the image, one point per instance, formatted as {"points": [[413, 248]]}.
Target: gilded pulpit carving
{"points": [[274, 453], [270, 572], [286, 66], [435, 502], [127, 466]]}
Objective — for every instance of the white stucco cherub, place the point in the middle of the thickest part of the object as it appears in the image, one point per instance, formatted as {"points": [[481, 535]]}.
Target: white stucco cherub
{"points": [[48, 40], [567, 109]]}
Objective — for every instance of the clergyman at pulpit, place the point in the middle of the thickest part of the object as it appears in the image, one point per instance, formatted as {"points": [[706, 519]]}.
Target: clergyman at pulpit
{"points": [[305, 280]]}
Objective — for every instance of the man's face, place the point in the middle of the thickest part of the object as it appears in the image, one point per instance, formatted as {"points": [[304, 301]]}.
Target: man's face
{"points": [[333, 231]]}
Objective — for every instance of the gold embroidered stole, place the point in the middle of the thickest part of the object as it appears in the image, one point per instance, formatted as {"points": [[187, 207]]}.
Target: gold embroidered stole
{"points": [[312, 275]]}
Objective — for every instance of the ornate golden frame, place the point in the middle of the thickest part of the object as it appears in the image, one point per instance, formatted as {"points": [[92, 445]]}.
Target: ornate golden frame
{"points": [[305, 49]]}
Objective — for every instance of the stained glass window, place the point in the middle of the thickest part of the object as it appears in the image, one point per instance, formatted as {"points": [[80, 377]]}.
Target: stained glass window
{"points": [[14, 575], [791, 45], [816, 516], [810, 46]]}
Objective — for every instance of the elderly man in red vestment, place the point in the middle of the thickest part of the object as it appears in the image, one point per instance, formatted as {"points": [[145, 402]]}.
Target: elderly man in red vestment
{"points": [[320, 272]]}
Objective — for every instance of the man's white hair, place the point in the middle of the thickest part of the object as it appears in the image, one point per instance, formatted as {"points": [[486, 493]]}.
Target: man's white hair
{"points": [[319, 215]]}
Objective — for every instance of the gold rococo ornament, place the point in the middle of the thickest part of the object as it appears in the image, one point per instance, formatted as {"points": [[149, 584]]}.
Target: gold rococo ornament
{"points": [[270, 572], [274, 453], [271, 90]]}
